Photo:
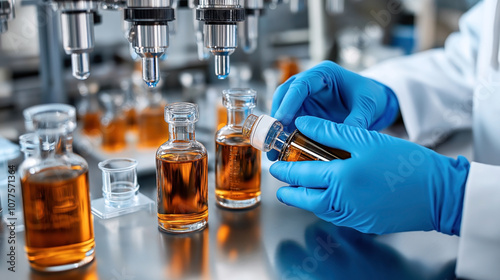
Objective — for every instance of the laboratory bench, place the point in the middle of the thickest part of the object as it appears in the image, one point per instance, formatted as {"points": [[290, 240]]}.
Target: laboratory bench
{"points": [[269, 241]]}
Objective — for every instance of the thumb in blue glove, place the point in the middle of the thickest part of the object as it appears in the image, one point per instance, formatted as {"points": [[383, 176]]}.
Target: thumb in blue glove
{"points": [[388, 185]]}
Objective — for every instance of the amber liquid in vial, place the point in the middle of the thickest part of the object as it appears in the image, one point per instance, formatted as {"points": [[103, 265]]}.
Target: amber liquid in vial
{"points": [[91, 123], [131, 119], [301, 148], [59, 225], [113, 135], [238, 169], [182, 190], [152, 128]]}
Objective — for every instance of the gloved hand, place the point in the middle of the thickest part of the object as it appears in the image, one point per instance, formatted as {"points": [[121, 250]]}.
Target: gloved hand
{"points": [[331, 92], [388, 185]]}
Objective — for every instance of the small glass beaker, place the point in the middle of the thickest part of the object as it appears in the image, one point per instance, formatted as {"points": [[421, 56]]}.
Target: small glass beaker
{"points": [[120, 189]]}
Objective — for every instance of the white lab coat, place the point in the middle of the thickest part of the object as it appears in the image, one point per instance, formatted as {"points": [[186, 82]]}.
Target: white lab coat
{"points": [[458, 87]]}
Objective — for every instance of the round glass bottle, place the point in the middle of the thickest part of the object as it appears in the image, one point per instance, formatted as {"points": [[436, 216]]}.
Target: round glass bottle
{"points": [[55, 189], [237, 163], [266, 133], [182, 173], [113, 123], [89, 111], [150, 123]]}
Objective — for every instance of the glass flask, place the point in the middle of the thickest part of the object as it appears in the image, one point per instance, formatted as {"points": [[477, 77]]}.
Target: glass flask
{"points": [[113, 123], [89, 112], [266, 133], [55, 187], [150, 120], [182, 173], [237, 163], [129, 105]]}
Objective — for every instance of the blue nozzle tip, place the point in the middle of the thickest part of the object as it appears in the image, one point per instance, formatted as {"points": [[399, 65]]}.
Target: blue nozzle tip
{"points": [[152, 84], [221, 77]]}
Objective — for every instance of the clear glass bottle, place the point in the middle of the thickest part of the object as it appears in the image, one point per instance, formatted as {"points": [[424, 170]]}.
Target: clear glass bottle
{"points": [[113, 123], [89, 112], [266, 133], [55, 187], [182, 173], [150, 120], [237, 163]]}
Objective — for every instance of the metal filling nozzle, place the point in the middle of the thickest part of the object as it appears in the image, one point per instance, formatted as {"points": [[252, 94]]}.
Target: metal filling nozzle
{"points": [[220, 20], [149, 33], [7, 12]]}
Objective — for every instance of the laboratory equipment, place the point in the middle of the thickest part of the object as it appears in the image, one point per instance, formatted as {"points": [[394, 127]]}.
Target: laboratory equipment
{"points": [[149, 32], [113, 123], [120, 190], [152, 129], [88, 109], [237, 163], [220, 20], [181, 173], [266, 133], [77, 32], [55, 188], [7, 12], [129, 106], [248, 30]]}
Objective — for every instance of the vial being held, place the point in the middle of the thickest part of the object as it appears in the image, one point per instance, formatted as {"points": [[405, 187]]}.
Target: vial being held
{"points": [[266, 133], [55, 189], [181, 173], [237, 163]]}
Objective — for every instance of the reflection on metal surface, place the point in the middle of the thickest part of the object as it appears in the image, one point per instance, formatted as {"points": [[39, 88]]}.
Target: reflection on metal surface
{"points": [[239, 245], [88, 272], [186, 255], [333, 252]]}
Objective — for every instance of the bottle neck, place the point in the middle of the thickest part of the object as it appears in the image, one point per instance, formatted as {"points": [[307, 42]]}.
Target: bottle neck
{"points": [[281, 141], [236, 117], [181, 132], [55, 144]]}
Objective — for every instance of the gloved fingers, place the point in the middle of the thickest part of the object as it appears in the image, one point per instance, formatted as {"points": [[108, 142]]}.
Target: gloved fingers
{"points": [[340, 136], [311, 174], [361, 114], [279, 94], [303, 198], [272, 155], [304, 85]]}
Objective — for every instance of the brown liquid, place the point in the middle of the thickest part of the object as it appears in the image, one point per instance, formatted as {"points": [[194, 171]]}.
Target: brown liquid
{"points": [[289, 67], [113, 135], [58, 222], [182, 185], [153, 130], [301, 148], [221, 116], [131, 118], [91, 122], [237, 170]]}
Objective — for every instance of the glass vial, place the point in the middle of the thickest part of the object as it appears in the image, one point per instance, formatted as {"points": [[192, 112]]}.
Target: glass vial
{"points": [[113, 123], [89, 112], [182, 173], [237, 163], [266, 133], [55, 189], [150, 123]]}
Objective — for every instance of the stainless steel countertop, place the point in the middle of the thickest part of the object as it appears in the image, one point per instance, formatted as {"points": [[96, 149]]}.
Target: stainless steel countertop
{"points": [[271, 241]]}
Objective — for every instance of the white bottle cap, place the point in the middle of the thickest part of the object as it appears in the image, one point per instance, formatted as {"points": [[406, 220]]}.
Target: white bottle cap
{"points": [[260, 132]]}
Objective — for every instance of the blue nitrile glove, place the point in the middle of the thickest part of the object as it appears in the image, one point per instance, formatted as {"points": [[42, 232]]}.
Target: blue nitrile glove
{"points": [[331, 92], [388, 185]]}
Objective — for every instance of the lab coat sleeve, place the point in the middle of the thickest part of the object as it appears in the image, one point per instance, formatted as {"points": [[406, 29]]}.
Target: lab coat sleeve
{"points": [[479, 245], [435, 88]]}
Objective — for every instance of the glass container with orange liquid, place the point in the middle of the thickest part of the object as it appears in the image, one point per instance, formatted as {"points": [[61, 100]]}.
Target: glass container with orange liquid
{"points": [[237, 163], [266, 133], [113, 123], [182, 173], [89, 112], [55, 189], [150, 120]]}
